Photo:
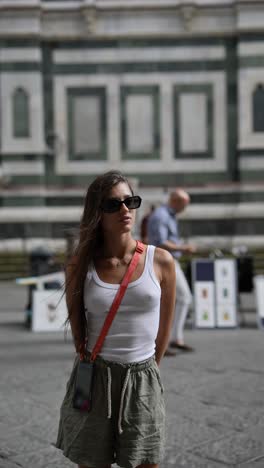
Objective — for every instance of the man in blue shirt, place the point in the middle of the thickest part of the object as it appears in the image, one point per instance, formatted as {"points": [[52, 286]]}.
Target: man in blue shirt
{"points": [[163, 232]]}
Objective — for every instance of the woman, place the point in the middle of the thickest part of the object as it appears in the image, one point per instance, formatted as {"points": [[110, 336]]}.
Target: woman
{"points": [[126, 422]]}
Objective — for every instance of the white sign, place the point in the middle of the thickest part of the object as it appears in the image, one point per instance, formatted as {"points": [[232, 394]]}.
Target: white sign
{"points": [[225, 270], [49, 310], [204, 304], [259, 288], [226, 315], [226, 292]]}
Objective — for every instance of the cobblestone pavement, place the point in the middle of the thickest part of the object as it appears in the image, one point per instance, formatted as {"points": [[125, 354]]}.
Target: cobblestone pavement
{"points": [[214, 397]]}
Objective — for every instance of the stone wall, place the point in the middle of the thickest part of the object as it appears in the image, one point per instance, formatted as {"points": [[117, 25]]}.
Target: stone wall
{"points": [[167, 92]]}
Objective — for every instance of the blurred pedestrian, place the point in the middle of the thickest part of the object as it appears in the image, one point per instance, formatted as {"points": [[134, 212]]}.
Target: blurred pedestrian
{"points": [[163, 232], [144, 225], [125, 424]]}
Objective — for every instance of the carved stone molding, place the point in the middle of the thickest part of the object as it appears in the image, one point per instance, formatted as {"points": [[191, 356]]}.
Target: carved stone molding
{"points": [[188, 13], [78, 18], [89, 12]]}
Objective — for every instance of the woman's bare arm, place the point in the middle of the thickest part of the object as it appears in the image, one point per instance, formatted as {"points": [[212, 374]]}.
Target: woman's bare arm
{"points": [[74, 306], [165, 268]]}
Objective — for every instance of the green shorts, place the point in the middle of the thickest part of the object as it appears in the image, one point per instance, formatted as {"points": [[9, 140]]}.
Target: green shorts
{"points": [[126, 422]]}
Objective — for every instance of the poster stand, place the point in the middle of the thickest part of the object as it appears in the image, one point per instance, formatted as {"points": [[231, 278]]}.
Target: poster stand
{"points": [[49, 310], [215, 293]]}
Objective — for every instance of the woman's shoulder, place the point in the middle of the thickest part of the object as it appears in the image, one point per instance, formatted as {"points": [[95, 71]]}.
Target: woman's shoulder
{"points": [[163, 263], [162, 256]]}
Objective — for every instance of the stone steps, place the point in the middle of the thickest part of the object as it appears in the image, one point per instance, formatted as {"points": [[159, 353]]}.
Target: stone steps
{"points": [[17, 264]]}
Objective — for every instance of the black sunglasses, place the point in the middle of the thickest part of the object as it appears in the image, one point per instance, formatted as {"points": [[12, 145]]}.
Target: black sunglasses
{"points": [[112, 205]]}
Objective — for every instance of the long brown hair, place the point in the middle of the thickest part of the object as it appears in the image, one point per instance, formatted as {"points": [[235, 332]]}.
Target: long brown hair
{"points": [[89, 243]]}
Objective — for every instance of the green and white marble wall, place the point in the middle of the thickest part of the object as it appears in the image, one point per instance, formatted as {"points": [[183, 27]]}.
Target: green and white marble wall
{"points": [[170, 93], [86, 125], [21, 111], [251, 113], [149, 93]]}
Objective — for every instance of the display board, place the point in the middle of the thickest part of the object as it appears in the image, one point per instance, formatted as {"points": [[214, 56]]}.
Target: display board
{"points": [[204, 293], [215, 292], [259, 289], [49, 311], [226, 292]]}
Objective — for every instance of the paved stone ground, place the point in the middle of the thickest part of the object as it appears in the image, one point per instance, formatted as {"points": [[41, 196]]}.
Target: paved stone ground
{"points": [[215, 412]]}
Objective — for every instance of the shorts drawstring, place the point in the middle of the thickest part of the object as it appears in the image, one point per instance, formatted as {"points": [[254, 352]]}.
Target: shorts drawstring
{"points": [[108, 391], [120, 430], [109, 400]]}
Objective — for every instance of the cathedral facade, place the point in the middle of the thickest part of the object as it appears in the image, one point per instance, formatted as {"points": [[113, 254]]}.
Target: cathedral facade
{"points": [[168, 91]]}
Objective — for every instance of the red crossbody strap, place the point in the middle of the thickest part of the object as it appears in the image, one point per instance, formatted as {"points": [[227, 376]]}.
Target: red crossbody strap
{"points": [[117, 300]]}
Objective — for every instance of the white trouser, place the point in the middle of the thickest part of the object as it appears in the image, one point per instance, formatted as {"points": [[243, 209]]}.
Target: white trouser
{"points": [[183, 302]]}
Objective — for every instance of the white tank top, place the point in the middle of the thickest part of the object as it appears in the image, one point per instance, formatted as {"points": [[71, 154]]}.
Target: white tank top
{"points": [[132, 335]]}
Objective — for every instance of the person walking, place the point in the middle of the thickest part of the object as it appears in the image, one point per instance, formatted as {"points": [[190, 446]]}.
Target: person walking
{"points": [[125, 424], [144, 225], [163, 232]]}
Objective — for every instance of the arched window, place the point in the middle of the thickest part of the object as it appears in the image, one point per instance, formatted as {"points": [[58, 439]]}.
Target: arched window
{"points": [[258, 109], [21, 114]]}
